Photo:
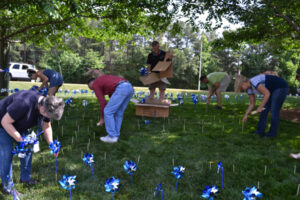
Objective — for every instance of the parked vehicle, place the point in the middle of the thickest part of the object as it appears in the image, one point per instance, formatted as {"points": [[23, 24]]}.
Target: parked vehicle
{"points": [[19, 70]]}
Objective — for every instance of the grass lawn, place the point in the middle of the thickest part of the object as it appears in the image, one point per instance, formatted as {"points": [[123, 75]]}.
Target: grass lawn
{"points": [[195, 137]]}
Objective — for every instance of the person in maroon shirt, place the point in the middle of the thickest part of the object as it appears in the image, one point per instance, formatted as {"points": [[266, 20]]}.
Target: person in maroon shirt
{"points": [[120, 91]]}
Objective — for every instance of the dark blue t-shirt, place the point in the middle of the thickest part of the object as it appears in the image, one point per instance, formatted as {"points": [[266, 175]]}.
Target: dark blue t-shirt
{"points": [[23, 108], [269, 81]]}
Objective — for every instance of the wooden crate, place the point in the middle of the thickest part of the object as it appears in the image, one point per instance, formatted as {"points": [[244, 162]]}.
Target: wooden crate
{"points": [[152, 110]]}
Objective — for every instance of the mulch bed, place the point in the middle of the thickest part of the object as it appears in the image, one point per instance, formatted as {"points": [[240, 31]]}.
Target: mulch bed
{"points": [[290, 114]]}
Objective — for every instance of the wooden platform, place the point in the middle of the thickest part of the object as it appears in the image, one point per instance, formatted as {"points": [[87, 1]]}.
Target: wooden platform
{"points": [[152, 110]]}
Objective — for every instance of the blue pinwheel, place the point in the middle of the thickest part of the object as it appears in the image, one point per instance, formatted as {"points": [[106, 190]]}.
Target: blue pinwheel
{"points": [[26, 145], [11, 183], [54, 149], [180, 99], [195, 99], [44, 91], [68, 102], [85, 103], [210, 192], [112, 185], [220, 167], [88, 159], [68, 183], [251, 193], [178, 173], [158, 190], [16, 90], [147, 121], [143, 71], [130, 167]]}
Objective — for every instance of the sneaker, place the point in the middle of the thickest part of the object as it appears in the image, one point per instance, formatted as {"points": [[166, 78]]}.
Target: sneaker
{"points": [[295, 155], [29, 182], [109, 139], [165, 80], [17, 194]]}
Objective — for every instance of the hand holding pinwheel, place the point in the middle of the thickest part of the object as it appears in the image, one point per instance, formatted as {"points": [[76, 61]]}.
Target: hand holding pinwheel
{"points": [[68, 183], [178, 173], [88, 159], [26, 145], [112, 185], [130, 167]]}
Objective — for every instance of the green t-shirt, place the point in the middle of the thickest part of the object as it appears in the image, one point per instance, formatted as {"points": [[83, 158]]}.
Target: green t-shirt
{"points": [[215, 77]]}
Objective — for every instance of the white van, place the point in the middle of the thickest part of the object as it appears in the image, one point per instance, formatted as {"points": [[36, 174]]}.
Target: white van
{"points": [[19, 70]]}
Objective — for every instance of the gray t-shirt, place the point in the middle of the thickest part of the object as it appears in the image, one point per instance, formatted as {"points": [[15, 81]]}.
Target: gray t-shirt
{"points": [[23, 108]]}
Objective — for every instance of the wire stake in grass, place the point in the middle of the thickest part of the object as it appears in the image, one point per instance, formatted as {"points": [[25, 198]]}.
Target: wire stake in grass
{"points": [[265, 170], [242, 127], [173, 162], [298, 190], [138, 159], [233, 168], [257, 184], [184, 125]]}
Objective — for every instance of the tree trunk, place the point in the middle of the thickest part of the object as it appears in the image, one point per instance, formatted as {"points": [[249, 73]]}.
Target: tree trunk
{"points": [[4, 61]]}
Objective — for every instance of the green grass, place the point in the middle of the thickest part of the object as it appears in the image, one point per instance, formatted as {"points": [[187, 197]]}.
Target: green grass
{"points": [[194, 137]]}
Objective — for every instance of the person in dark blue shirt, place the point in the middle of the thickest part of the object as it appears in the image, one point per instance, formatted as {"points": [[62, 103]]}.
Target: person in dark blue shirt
{"points": [[18, 113], [274, 89]]}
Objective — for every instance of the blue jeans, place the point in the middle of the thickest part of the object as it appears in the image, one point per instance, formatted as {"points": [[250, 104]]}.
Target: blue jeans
{"points": [[6, 147], [274, 105], [113, 111]]}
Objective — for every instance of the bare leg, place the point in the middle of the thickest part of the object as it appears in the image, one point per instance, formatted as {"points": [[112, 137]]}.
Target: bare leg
{"points": [[218, 94], [152, 91], [52, 91], [162, 94]]}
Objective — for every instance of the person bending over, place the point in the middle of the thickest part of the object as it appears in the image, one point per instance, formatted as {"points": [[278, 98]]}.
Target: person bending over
{"points": [[120, 91]]}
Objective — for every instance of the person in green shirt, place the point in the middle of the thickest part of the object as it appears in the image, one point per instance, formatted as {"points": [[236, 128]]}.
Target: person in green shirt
{"points": [[217, 82]]}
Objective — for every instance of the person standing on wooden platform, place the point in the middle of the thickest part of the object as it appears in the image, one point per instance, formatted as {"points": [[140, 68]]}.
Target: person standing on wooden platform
{"points": [[217, 82], [153, 58], [120, 91]]}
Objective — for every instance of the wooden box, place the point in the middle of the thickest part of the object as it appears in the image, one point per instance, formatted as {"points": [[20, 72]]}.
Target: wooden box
{"points": [[152, 110]]}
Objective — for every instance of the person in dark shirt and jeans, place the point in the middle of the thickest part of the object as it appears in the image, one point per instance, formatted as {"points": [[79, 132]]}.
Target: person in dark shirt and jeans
{"points": [[18, 113], [274, 89], [120, 92], [153, 58]]}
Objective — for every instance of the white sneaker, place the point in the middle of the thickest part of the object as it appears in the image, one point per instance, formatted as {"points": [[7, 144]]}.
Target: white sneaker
{"points": [[109, 139], [294, 155], [165, 80]]}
